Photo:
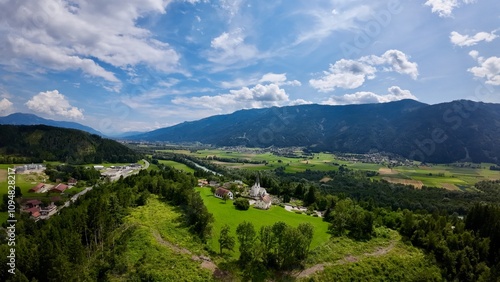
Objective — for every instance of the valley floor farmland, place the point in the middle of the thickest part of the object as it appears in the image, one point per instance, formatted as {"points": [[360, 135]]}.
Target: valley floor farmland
{"points": [[448, 176]]}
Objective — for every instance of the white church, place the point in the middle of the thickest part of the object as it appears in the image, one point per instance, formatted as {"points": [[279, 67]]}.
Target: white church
{"points": [[262, 198]]}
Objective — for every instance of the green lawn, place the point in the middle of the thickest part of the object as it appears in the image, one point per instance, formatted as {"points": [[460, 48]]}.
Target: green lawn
{"points": [[226, 213], [176, 165]]}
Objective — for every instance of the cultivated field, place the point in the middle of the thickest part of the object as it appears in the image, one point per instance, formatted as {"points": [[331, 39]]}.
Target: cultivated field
{"points": [[415, 183], [445, 176]]}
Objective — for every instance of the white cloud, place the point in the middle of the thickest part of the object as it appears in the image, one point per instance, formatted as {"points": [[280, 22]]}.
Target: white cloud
{"points": [[346, 74], [395, 94], [68, 35], [350, 74], [444, 8], [55, 104], [230, 48], [343, 15], [474, 54], [258, 96], [466, 40], [5, 107], [279, 79], [299, 102], [396, 61], [489, 69]]}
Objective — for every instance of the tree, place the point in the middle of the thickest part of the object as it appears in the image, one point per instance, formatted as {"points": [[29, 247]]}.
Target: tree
{"points": [[242, 204], [225, 197], [226, 241], [310, 196], [246, 237]]}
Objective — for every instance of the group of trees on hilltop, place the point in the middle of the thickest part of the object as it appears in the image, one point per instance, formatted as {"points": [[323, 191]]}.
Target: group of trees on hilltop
{"points": [[38, 143]]}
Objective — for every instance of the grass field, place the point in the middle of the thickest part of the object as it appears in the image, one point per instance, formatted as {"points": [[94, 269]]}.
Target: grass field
{"points": [[226, 213], [160, 246], [176, 165]]}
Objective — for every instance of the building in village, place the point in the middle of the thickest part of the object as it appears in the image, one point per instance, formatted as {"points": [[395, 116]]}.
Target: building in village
{"points": [[220, 192]]}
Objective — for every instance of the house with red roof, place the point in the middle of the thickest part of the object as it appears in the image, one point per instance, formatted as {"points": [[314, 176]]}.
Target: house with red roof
{"points": [[32, 204], [38, 188], [220, 192], [59, 188]]}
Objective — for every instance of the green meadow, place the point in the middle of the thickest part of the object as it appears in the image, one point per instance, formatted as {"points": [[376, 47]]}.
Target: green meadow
{"points": [[176, 165], [226, 213]]}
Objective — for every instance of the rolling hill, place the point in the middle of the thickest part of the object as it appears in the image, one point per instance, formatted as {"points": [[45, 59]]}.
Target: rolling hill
{"points": [[442, 133], [30, 119]]}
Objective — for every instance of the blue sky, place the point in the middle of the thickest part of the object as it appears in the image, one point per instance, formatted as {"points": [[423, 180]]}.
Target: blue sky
{"points": [[137, 65]]}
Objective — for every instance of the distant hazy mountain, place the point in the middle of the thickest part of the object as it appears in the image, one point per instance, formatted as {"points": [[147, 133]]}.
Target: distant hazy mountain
{"points": [[124, 135], [30, 119], [448, 132]]}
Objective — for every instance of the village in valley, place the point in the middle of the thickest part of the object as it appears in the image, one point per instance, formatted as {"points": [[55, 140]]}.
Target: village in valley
{"points": [[47, 199]]}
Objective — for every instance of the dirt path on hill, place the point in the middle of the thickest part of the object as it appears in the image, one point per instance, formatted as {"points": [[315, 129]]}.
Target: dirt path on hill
{"points": [[347, 259], [206, 262]]}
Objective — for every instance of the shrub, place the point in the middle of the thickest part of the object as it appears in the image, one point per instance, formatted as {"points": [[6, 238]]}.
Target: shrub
{"points": [[242, 204]]}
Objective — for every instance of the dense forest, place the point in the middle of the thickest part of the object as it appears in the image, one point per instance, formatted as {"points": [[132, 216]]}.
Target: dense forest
{"points": [[38, 143]]}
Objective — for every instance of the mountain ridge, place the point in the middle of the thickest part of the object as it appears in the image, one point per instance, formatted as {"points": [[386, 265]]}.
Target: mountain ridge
{"points": [[31, 119], [430, 133]]}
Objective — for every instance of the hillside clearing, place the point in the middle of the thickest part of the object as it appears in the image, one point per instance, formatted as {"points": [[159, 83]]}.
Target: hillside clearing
{"points": [[226, 213]]}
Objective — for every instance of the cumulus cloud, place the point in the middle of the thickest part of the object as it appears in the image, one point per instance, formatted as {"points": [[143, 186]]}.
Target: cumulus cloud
{"points": [[444, 8], [474, 54], [54, 103], [346, 74], [276, 78], [350, 74], [395, 94], [230, 48], [69, 35], [488, 69], [5, 106], [258, 96], [467, 40]]}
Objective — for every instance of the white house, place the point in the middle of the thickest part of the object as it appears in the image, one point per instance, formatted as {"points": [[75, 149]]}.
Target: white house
{"points": [[220, 192], [264, 202]]}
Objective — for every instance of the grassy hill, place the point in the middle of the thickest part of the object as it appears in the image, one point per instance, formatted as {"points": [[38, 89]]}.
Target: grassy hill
{"points": [[158, 247]]}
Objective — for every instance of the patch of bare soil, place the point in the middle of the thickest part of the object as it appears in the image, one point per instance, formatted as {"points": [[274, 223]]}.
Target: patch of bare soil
{"points": [[325, 179], [415, 183], [3, 175], [449, 186], [387, 171], [312, 270]]}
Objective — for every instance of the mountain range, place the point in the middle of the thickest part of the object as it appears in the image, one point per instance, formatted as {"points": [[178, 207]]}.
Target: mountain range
{"points": [[442, 133], [30, 119]]}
